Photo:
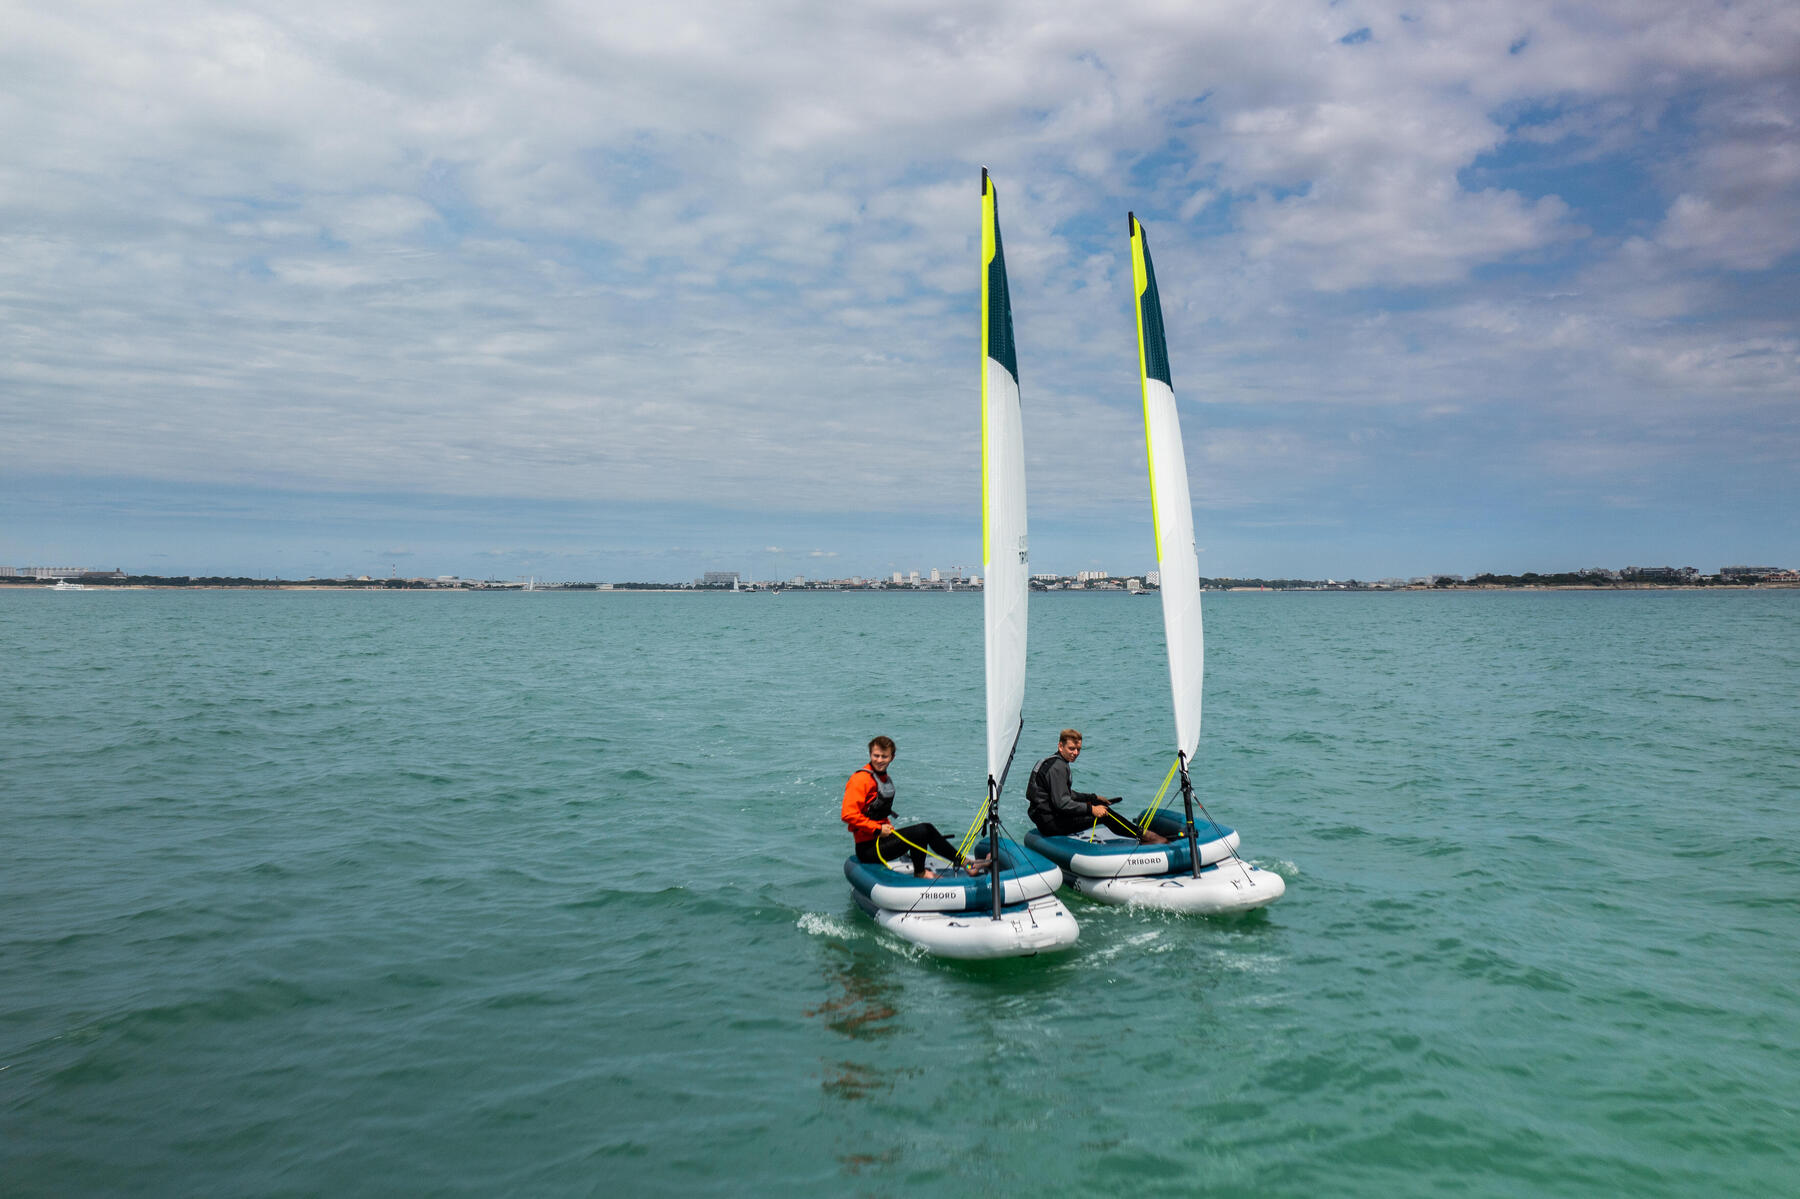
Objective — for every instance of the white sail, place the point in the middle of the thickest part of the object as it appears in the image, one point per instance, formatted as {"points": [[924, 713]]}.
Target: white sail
{"points": [[1005, 567], [1171, 510]]}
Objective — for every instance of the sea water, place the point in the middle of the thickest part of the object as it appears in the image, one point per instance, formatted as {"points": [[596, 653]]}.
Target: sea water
{"points": [[399, 893]]}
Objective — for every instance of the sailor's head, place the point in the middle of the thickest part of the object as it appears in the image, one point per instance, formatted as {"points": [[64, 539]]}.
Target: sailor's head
{"points": [[1069, 745], [881, 752]]}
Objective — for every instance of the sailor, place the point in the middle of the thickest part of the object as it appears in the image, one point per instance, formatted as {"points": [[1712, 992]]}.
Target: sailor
{"points": [[1058, 810], [869, 810]]}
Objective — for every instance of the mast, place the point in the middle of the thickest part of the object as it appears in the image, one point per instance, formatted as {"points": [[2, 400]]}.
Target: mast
{"points": [[1006, 581], [1172, 517]]}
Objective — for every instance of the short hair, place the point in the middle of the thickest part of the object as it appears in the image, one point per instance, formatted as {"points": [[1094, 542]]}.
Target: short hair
{"points": [[886, 743], [1068, 735]]}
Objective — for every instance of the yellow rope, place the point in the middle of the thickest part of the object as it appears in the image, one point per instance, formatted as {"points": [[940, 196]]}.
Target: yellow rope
{"points": [[1157, 802], [1112, 810], [967, 843], [897, 833]]}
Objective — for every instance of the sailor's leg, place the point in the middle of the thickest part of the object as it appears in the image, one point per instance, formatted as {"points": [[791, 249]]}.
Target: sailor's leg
{"points": [[1119, 824]]}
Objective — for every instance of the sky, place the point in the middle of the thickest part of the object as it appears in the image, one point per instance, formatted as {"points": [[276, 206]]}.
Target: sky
{"points": [[612, 292]]}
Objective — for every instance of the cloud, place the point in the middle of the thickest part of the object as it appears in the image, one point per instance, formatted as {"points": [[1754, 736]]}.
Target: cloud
{"points": [[627, 256]]}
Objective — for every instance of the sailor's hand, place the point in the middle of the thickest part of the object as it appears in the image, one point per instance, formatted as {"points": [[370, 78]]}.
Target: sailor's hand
{"points": [[1098, 809]]}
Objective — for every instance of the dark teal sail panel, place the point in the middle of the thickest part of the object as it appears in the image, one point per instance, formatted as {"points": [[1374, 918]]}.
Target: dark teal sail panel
{"points": [[1156, 346], [1000, 326]]}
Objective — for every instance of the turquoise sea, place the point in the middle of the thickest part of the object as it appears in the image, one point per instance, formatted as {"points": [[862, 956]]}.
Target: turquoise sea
{"points": [[541, 894]]}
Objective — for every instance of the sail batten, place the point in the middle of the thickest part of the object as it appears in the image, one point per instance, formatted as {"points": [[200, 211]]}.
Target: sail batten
{"points": [[1005, 561], [1172, 513]]}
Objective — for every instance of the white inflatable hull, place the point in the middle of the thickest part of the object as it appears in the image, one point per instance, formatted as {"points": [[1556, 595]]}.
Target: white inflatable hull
{"points": [[1220, 890], [952, 895], [1111, 856], [1042, 926], [1024, 876]]}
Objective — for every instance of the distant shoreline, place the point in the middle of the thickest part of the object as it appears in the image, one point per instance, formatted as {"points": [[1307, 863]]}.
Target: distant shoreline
{"points": [[675, 589]]}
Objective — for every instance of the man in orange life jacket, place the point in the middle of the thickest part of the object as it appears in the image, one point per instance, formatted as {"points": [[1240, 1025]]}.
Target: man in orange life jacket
{"points": [[869, 808], [1059, 810]]}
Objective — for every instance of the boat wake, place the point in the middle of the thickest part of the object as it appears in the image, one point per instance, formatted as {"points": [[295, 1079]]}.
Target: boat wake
{"points": [[817, 924]]}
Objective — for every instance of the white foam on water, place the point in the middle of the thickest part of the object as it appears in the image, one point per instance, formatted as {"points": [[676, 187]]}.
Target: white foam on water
{"points": [[1146, 939], [1240, 963], [817, 924]]}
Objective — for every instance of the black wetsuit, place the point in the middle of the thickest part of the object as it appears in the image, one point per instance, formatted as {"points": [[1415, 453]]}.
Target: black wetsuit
{"points": [[1058, 809]]}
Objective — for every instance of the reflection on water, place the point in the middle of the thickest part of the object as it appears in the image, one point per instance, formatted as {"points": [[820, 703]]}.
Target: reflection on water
{"points": [[854, 1163], [862, 1007], [854, 1080]]}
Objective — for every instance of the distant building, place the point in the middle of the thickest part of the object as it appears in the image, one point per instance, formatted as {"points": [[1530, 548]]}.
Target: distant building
{"points": [[1748, 572], [898, 578], [934, 575], [913, 578], [714, 578], [45, 572], [1086, 576], [1153, 578]]}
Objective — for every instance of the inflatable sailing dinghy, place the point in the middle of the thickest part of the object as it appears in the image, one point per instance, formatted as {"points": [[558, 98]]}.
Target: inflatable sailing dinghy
{"points": [[1203, 873], [1102, 853], [958, 916], [1233, 885], [953, 915], [1104, 866]]}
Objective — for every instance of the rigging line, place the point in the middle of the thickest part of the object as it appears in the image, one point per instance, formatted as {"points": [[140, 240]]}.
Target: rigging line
{"points": [[994, 856], [968, 839], [895, 833], [915, 903], [994, 850], [921, 899], [1112, 809], [954, 864], [1156, 804], [1230, 849]]}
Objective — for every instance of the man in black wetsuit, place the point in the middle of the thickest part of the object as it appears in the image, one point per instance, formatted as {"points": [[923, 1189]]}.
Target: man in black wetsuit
{"points": [[1058, 810]]}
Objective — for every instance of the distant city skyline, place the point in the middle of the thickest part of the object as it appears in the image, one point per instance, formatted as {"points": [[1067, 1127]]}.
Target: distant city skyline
{"points": [[514, 291], [931, 578]]}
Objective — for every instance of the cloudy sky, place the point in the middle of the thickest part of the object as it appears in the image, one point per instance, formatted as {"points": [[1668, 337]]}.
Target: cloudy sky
{"points": [[632, 291]]}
